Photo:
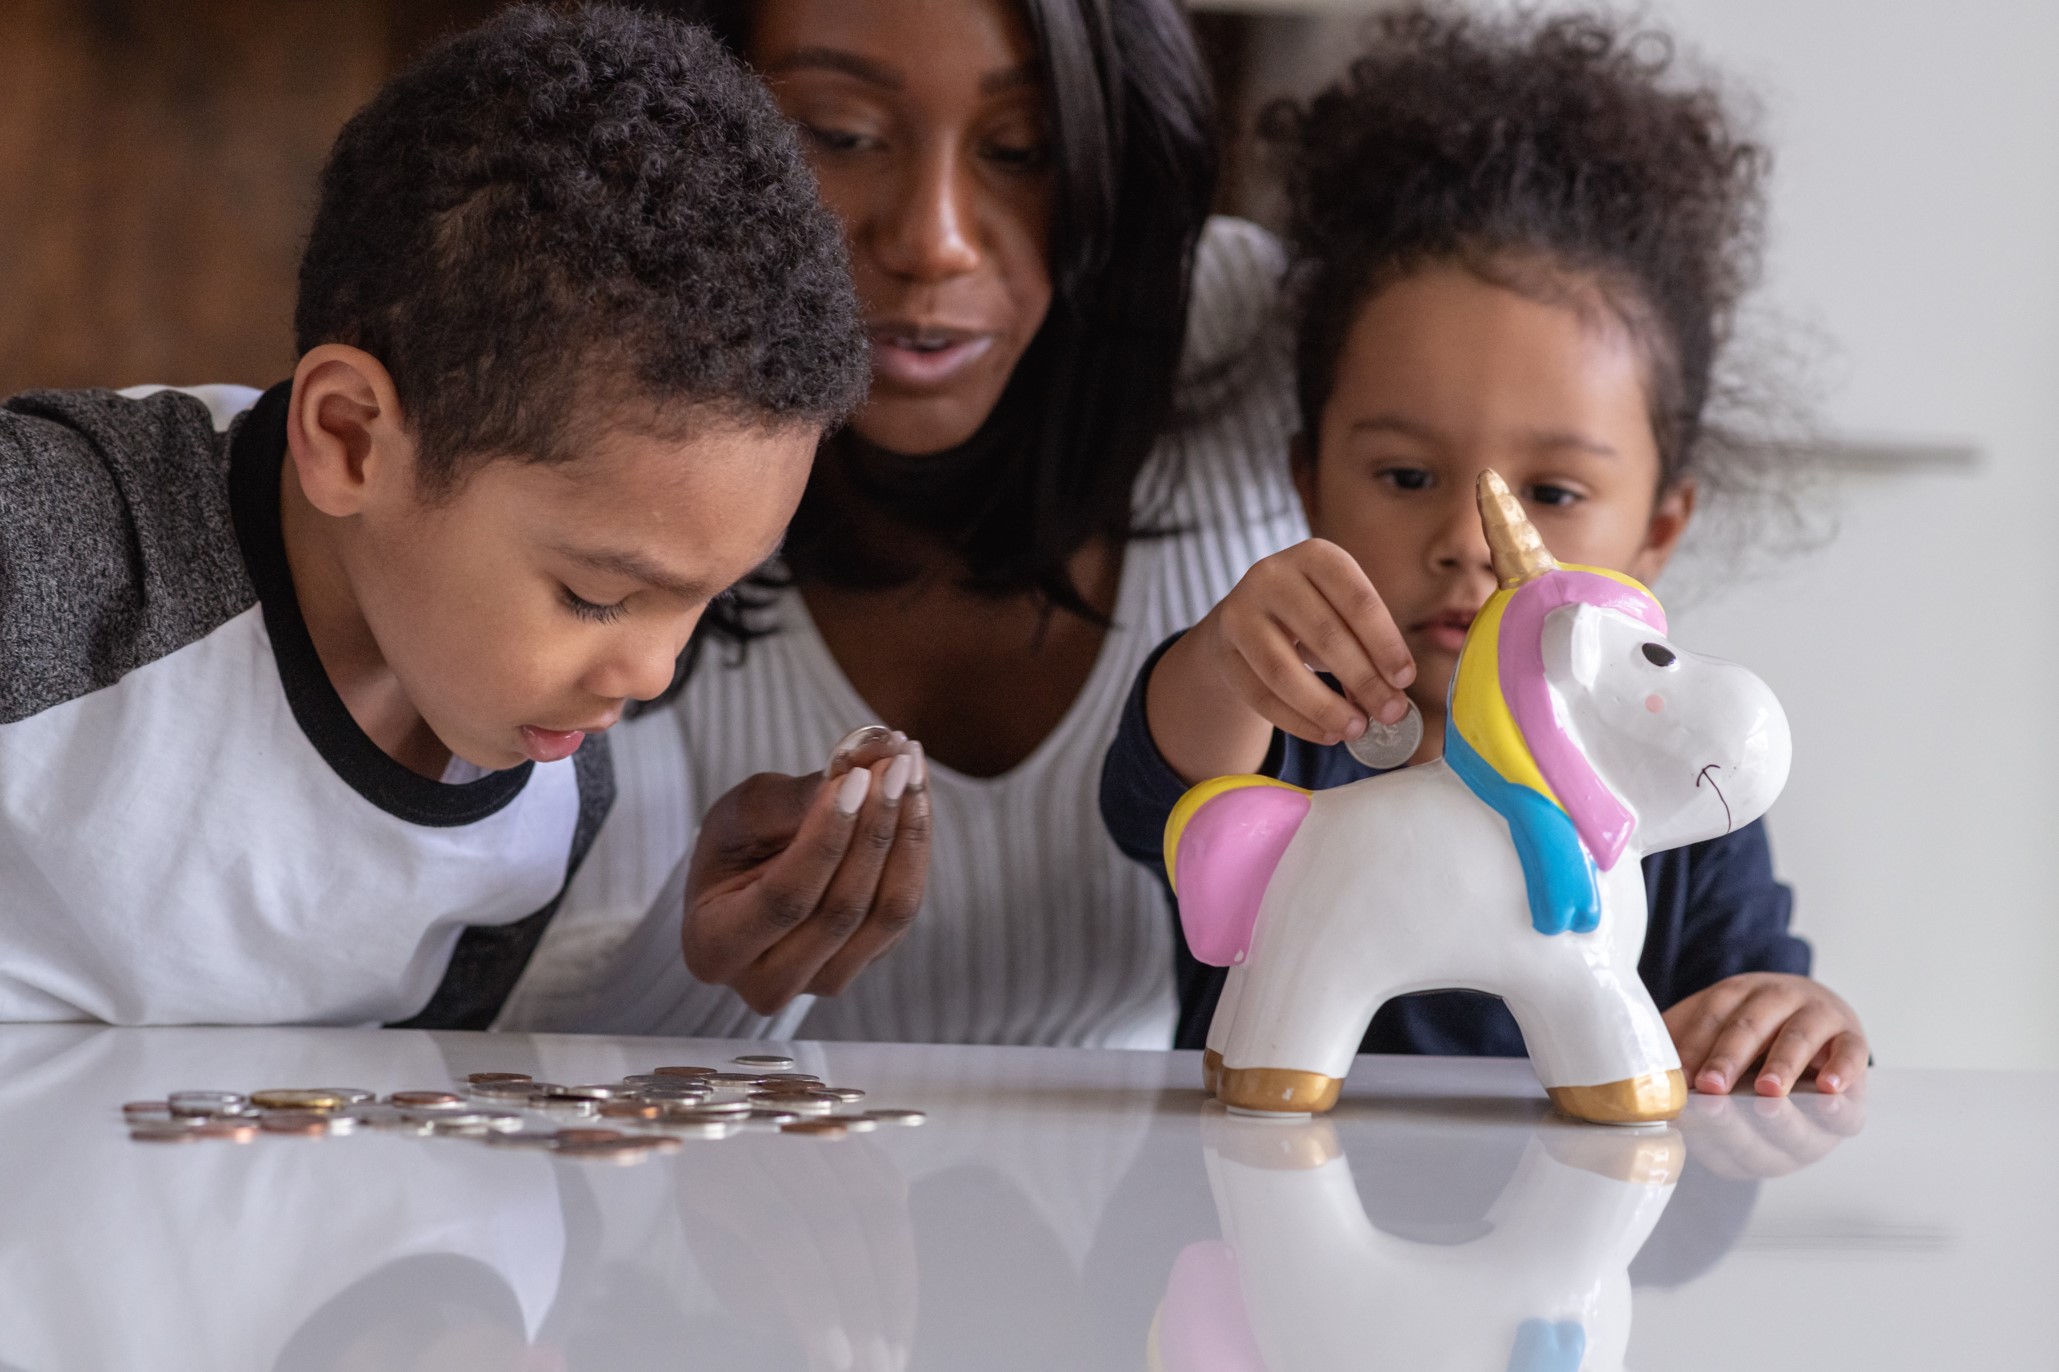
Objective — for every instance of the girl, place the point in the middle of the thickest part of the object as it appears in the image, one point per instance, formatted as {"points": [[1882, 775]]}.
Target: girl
{"points": [[1080, 392], [1519, 244]]}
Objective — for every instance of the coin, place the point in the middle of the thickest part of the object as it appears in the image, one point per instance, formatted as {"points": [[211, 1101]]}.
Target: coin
{"points": [[735, 1080], [1386, 746], [573, 1136], [296, 1098], [376, 1117], [908, 1118], [228, 1130], [763, 1060], [472, 1123], [512, 1090], [481, 1078], [825, 1129], [146, 1109], [631, 1110], [770, 1079], [677, 1090], [523, 1138], [294, 1123], [866, 736], [563, 1103], [845, 1095], [682, 1071], [205, 1102], [592, 1092], [762, 1118], [163, 1133], [856, 1124], [418, 1100], [810, 1103], [714, 1109], [714, 1127]]}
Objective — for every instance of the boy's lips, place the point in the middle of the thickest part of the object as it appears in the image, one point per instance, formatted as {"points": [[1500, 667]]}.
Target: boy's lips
{"points": [[552, 745], [924, 356]]}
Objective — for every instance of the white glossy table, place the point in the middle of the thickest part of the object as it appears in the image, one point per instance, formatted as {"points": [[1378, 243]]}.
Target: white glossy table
{"points": [[1059, 1210]]}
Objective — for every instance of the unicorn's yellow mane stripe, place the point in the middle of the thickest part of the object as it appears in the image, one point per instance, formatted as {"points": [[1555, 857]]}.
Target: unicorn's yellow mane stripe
{"points": [[1479, 709]]}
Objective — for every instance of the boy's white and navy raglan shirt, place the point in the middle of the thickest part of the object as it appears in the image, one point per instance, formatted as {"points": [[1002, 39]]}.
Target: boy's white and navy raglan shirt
{"points": [[193, 829]]}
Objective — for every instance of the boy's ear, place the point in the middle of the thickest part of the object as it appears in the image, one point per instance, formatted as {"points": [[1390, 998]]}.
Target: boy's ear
{"points": [[1301, 463], [344, 429], [1669, 520]]}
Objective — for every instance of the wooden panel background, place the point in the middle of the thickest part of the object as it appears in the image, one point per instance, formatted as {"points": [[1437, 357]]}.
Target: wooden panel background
{"points": [[157, 166]]}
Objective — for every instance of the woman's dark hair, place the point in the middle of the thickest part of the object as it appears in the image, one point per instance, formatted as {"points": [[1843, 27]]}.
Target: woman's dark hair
{"points": [[1055, 465], [562, 210], [1529, 150]]}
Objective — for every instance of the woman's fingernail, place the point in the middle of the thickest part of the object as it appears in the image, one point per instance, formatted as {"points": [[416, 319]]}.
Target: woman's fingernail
{"points": [[920, 781], [1829, 1081], [1403, 677], [850, 792], [1769, 1083], [1393, 710], [1355, 729], [1712, 1080], [896, 781]]}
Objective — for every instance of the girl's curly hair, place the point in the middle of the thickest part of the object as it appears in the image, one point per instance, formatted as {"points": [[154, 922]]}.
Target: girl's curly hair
{"points": [[1529, 149]]}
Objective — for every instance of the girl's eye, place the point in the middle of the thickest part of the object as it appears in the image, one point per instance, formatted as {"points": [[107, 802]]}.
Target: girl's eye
{"points": [[592, 613], [1553, 497], [1405, 478]]}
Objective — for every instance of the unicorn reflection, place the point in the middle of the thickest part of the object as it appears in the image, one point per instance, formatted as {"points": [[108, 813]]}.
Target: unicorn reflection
{"points": [[1578, 739]]}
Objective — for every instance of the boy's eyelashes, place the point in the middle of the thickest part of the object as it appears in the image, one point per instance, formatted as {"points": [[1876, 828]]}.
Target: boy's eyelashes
{"points": [[1552, 496], [1404, 478], [589, 611]]}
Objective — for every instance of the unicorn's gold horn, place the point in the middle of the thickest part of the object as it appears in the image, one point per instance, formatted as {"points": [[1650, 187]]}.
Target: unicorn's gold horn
{"points": [[1519, 554]]}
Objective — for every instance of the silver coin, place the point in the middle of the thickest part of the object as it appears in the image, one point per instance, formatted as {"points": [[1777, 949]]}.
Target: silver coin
{"points": [[1386, 746], [813, 1103], [908, 1118], [522, 1138], [206, 1103], [702, 1129], [847, 747], [508, 1090], [845, 1095], [475, 1123], [377, 1117], [768, 1119], [857, 1124], [592, 1092], [714, 1109], [772, 1060]]}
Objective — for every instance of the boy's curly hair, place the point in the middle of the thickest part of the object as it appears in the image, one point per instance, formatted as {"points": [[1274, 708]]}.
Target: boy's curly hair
{"points": [[1527, 149], [562, 220]]}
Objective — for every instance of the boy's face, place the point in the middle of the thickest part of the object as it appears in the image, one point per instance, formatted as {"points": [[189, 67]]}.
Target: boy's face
{"points": [[1444, 375], [522, 611]]}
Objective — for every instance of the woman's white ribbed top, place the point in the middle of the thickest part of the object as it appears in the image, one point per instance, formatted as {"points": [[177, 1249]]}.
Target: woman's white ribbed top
{"points": [[1033, 929]]}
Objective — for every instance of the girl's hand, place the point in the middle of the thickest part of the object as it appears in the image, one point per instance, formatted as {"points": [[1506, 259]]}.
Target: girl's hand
{"points": [[1217, 694], [1796, 1024], [797, 883]]}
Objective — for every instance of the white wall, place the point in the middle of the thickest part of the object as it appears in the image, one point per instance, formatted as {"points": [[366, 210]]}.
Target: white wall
{"points": [[1916, 229]]}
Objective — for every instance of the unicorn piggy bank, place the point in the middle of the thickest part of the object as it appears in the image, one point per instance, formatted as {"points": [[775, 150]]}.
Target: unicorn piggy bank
{"points": [[1577, 740]]}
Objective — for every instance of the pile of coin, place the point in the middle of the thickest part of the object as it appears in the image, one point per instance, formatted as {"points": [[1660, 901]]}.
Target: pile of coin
{"points": [[624, 1121]]}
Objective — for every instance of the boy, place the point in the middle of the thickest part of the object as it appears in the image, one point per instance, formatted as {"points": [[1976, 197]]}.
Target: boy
{"points": [[300, 715]]}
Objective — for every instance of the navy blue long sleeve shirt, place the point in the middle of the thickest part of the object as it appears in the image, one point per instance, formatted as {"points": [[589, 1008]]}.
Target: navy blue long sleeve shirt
{"points": [[1715, 908]]}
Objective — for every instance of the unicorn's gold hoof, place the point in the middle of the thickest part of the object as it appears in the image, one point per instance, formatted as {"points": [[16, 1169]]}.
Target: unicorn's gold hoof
{"points": [[1277, 1090], [1211, 1070], [1647, 1099]]}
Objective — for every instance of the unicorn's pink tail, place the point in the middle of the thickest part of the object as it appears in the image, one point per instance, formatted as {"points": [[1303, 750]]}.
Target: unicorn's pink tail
{"points": [[1222, 844]]}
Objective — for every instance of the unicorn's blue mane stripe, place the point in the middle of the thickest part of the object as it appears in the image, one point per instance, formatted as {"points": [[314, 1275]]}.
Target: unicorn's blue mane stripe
{"points": [[1564, 889]]}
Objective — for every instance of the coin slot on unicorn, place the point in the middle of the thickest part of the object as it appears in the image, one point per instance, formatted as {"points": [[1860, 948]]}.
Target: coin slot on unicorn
{"points": [[1580, 738]]}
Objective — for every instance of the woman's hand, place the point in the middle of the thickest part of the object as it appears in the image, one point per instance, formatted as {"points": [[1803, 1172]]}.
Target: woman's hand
{"points": [[1217, 694], [1795, 1024], [797, 883]]}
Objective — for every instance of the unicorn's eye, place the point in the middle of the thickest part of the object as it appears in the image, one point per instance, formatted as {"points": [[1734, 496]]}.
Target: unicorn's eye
{"points": [[1659, 655]]}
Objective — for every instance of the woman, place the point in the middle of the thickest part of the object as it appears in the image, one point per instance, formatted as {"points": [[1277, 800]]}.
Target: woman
{"points": [[1075, 442]]}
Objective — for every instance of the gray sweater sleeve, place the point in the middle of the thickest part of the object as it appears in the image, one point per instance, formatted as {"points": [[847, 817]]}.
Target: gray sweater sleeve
{"points": [[116, 543]]}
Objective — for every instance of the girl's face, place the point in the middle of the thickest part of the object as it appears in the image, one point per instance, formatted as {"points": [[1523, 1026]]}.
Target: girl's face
{"points": [[1444, 375], [927, 124]]}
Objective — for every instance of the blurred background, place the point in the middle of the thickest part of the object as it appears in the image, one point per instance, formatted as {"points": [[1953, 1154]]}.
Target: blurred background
{"points": [[157, 164]]}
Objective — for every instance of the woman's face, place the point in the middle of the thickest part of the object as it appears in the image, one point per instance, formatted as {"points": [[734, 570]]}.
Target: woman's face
{"points": [[1444, 375], [928, 126]]}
